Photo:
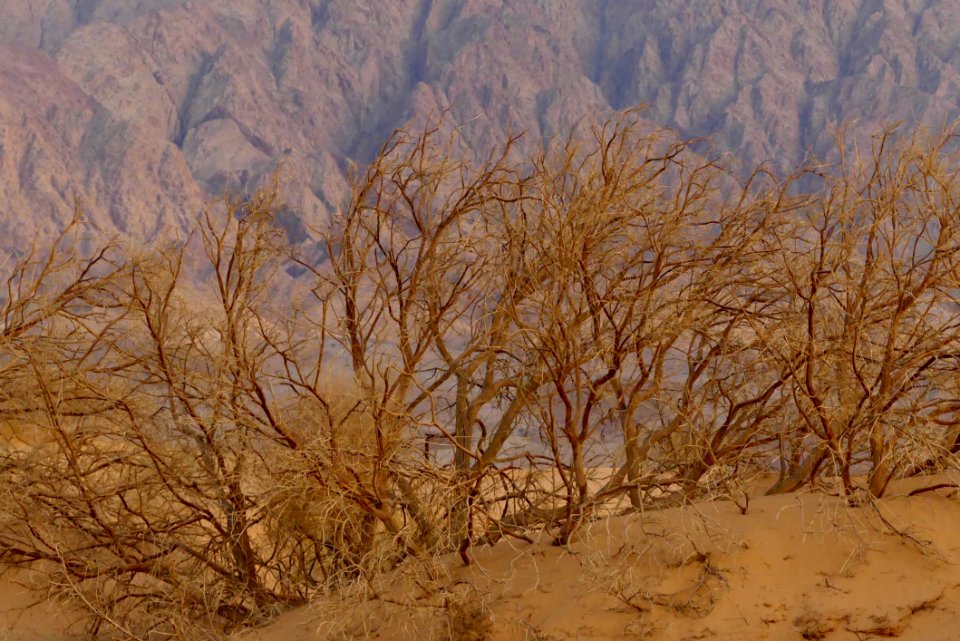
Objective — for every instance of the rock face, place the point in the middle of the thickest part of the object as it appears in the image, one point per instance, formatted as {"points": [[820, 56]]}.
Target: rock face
{"points": [[144, 109]]}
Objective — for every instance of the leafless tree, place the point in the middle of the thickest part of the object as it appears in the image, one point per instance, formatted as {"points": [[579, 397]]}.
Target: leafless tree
{"points": [[183, 451], [868, 331]]}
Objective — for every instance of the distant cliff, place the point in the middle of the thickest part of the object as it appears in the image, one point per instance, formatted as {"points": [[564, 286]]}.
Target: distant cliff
{"points": [[143, 109]]}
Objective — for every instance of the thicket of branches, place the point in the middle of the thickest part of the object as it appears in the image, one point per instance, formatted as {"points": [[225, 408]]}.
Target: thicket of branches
{"points": [[490, 349]]}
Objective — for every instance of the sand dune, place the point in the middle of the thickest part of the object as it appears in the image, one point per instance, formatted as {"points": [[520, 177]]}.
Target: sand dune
{"points": [[801, 566]]}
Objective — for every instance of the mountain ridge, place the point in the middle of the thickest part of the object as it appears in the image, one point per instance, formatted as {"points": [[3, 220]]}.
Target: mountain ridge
{"points": [[146, 110]]}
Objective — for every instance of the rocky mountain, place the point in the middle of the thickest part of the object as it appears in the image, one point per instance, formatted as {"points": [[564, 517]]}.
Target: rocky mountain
{"points": [[145, 109]]}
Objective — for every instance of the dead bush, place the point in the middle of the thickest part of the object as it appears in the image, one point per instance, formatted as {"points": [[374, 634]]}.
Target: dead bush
{"points": [[492, 349]]}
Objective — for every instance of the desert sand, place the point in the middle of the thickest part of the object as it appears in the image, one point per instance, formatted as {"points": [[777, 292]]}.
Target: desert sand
{"points": [[25, 616], [799, 566]]}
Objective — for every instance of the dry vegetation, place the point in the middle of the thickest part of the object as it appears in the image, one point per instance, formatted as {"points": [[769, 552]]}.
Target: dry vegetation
{"points": [[482, 341]]}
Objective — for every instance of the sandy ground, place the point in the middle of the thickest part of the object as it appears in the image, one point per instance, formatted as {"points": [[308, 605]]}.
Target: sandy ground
{"points": [[800, 566], [22, 618]]}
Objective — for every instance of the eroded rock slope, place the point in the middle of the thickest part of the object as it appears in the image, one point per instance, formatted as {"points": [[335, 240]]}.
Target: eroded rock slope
{"points": [[144, 109]]}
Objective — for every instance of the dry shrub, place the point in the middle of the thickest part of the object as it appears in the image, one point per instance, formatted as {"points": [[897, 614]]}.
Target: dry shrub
{"points": [[492, 349], [468, 619], [316, 493]]}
